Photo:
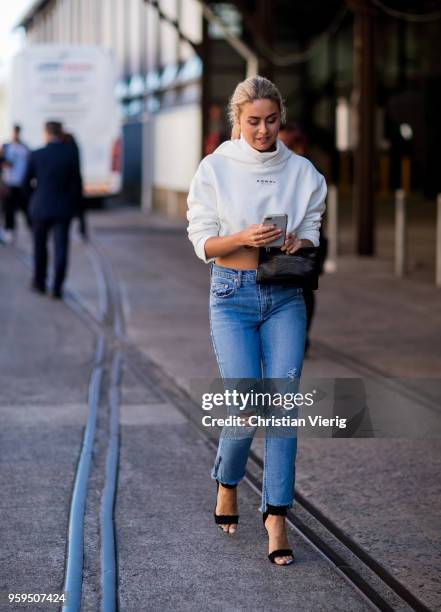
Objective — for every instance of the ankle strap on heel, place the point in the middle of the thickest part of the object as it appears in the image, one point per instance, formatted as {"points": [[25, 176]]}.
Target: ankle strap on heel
{"points": [[277, 510], [227, 486]]}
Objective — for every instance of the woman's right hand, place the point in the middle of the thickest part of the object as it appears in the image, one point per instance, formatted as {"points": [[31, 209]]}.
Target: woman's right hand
{"points": [[259, 235]]}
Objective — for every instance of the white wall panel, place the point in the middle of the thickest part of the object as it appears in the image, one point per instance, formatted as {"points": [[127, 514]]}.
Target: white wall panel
{"points": [[169, 8], [186, 51], [55, 14], [191, 20], [107, 24], [134, 8], [152, 34], [169, 44], [65, 21], [76, 8], [86, 22], [120, 35], [177, 146]]}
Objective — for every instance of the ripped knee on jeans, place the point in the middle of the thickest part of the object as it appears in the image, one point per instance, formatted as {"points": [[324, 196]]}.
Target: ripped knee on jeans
{"points": [[293, 373]]}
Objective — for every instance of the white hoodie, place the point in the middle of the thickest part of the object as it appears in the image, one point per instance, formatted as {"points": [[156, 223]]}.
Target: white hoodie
{"points": [[237, 186]]}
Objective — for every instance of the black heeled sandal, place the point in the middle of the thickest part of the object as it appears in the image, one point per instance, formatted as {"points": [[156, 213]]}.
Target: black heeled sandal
{"points": [[280, 552], [225, 519]]}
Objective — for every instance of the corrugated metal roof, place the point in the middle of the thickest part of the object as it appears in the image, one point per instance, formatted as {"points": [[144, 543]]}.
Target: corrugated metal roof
{"points": [[31, 12]]}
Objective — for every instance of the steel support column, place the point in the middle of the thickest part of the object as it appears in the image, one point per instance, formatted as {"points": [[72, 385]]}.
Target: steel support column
{"points": [[364, 98]]}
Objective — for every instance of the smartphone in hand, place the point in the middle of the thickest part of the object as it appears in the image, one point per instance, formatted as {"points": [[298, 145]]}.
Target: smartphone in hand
{"points": [[280, 222]]}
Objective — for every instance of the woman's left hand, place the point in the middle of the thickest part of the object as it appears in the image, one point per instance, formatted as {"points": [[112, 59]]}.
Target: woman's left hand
{"points": [[291, 244]]}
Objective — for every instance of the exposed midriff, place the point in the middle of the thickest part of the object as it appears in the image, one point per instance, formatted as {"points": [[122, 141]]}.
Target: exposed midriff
{"points": [[241, 259]]}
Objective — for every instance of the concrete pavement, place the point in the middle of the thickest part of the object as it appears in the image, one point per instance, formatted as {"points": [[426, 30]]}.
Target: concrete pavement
{"points": [[45, 358], [383, 492]]}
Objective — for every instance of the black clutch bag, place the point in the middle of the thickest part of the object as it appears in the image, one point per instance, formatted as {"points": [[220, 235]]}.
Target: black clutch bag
{"points": [[301, 269]]}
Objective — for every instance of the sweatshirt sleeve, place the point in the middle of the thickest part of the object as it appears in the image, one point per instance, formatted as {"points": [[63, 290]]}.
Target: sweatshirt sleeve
{"points": [[202, 215], [309, 228]]}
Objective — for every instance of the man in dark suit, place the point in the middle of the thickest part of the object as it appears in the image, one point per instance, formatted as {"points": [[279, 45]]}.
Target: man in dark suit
{"points": [[53, 176]]}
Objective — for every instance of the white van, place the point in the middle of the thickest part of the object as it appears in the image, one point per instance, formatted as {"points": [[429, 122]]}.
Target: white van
{"points": [[73, 84]]}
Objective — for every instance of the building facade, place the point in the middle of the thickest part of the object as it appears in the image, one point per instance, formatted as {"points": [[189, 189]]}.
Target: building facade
{"points": [[159, 84], [176, 70]]}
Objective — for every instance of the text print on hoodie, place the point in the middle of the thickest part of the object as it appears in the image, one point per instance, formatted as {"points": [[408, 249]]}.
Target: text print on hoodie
{"points": [[237, 186]]}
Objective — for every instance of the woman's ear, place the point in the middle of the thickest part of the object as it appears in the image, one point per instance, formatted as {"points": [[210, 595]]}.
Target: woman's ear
{"points": [[235, 132]]}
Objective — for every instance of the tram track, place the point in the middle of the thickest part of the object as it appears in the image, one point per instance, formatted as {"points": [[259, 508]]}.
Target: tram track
{"points": [[103, 395], [111, 319], [75, 540], [372, 580], [366, 575]]}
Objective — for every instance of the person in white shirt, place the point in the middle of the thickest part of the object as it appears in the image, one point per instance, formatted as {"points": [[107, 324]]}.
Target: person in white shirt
{"points": [[15, 156], [258, 331]]}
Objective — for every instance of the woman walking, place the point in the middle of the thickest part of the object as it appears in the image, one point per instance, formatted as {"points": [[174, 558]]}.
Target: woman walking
{"points": [[258, 331]]}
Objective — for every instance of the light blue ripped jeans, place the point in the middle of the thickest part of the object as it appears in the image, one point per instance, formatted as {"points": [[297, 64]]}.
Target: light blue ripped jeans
{"points": [[258, 331]]}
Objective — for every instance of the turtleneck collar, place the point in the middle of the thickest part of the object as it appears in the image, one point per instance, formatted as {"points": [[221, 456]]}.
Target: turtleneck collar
{"points": [[261, 156], [239, 150]]}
